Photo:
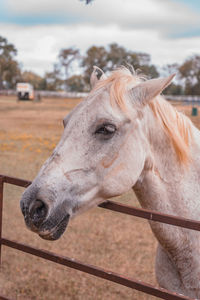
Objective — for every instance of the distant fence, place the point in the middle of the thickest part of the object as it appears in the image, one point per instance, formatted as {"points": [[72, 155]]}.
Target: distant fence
{"points": [[63, 94], [52, 94], [48, 94], [93, 270], [183, 98], [7, 93]]}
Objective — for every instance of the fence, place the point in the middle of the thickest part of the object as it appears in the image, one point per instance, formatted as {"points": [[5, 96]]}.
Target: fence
{"points": [[48, 94], [93, 270], [190, 99]]}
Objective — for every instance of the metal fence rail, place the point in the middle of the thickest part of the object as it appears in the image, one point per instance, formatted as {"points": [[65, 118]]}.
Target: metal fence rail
{"points": [[4, 298], [93, 270]]}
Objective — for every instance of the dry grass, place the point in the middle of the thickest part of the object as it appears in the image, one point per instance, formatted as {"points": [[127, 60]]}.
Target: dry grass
{"points": [[28, 134]]}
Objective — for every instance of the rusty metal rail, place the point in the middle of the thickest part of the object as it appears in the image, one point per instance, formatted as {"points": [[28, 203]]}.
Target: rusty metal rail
{"points": [[93, 270], [4, 298]]}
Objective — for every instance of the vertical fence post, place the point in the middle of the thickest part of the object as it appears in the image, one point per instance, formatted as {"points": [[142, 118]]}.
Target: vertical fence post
{"points": [[1, 211]]}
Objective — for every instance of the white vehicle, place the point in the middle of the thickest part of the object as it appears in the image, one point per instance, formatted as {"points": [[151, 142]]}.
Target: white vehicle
{"points": [[25, 91]]}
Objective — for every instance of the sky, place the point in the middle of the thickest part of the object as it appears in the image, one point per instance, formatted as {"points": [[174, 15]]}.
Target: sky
{"points": [[169, 30]]}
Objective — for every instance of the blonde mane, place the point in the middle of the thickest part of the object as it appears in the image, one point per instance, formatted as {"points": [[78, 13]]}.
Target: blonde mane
{"points": [[176, 125]]}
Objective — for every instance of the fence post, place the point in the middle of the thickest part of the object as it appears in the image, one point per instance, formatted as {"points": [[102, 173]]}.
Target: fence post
{"points": [[1, 212]]}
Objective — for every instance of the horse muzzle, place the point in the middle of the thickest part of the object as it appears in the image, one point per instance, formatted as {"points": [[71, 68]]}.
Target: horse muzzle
{"points": [[55, 232], [38, 218]]}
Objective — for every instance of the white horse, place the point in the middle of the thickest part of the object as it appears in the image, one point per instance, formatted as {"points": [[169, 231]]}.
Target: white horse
{"points": [[125, 135]]}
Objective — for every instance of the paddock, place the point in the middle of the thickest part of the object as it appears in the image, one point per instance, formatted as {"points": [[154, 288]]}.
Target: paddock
{"points": [[114, 246], [93, 270]]}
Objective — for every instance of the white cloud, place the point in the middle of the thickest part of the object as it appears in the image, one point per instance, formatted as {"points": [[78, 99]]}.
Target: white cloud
{"points": [[38, 46], [139, 25], [167, 16]]}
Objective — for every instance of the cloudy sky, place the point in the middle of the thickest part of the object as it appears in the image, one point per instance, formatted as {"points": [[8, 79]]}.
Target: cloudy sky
{"points": [[169, 30]]}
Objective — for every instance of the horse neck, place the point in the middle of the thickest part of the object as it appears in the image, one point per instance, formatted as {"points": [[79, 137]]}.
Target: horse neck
{"points": [[167, 186], [164, 182]]}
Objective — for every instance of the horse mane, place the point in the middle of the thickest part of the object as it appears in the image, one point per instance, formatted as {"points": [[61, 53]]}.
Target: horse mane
{"points": [[176, 125]]}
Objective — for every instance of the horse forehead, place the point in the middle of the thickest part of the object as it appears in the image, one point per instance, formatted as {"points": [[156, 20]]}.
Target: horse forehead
{"points": [[96, 104], [96, 101]]}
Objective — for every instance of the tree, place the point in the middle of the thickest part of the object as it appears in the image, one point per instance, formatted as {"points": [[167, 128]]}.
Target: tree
{"points": [[33, 78], [9, 68], [76, 83], [112, 57], [190, 72], [52, 80], [170, 69], [66, 57], [174, 89], [95, 56], [148, 70], [116, 56]]}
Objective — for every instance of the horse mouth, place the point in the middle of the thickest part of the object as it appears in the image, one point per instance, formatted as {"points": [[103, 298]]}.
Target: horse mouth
{"points": [[56, 232]]}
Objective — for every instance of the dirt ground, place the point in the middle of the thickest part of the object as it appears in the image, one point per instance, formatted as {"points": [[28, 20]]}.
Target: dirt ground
{"points": [[123, 244]]}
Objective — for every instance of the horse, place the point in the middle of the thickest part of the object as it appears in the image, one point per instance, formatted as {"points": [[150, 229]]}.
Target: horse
{"points": [[125, 135]]}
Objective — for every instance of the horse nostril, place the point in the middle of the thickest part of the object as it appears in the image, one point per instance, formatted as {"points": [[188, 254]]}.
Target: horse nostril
{"points": [[38, 211]]}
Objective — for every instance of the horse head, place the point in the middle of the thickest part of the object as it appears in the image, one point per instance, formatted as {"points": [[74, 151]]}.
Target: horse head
{"points": [[101, 153]]}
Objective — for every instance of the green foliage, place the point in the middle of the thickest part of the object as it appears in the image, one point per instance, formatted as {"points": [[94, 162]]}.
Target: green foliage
{"points": [[118, 55], [9, 68], [112, 57], [95, 56], [76, 83], [66, 58], [107, 58], [32, 78], [149, 70], [190, 72], [52, 80], [174, 89]]}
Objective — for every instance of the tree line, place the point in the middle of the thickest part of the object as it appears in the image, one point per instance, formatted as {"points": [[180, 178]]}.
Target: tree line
{"points": [[70, 61]]}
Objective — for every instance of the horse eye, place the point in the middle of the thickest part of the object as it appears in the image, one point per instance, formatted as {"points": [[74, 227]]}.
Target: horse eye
{"points": [[106, 130]]}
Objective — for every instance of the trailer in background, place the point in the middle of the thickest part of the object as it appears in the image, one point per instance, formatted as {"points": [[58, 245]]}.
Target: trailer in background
{"points": [[25, 91]]}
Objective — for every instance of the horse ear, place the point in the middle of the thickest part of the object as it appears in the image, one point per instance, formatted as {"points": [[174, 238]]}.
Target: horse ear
{"points": [[96, 75], [147, 90]]}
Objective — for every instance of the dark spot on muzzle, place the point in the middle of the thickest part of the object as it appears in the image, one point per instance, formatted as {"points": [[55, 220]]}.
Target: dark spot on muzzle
{"points": [[57, 231]]}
